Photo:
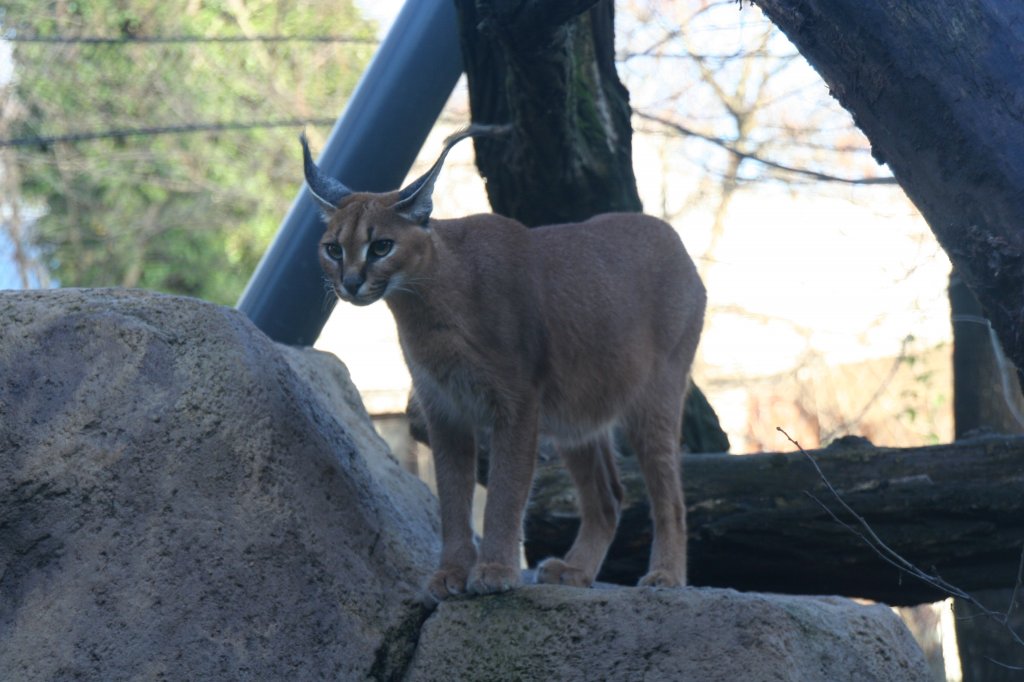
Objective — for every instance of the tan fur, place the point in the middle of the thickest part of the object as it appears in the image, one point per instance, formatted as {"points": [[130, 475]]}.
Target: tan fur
{"points": [[564, 330]]}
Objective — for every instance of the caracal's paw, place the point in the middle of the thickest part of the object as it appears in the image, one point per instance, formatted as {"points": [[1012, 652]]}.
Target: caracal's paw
{"points": [[557, 572], [662, 578], [447, 582], [491, 578]]}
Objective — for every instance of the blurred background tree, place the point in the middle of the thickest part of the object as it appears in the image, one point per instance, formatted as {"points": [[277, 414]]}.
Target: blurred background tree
{"points": [[108, 198]]}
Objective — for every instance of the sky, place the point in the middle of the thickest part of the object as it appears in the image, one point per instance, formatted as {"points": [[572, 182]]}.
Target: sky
{"points": [[6, 66], [8, 276], [381, 11]]}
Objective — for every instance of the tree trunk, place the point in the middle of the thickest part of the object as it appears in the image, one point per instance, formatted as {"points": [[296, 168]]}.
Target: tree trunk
{"points": [[986, 397], [549, 69], [938, 88], [956, 509], [551, 73]]}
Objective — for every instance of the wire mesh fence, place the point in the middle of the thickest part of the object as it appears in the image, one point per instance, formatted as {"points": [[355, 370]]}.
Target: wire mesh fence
{"points": [[156, 146]]}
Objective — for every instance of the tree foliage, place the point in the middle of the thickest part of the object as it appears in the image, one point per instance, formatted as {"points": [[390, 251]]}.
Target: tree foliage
{"points": [[187, 213]]}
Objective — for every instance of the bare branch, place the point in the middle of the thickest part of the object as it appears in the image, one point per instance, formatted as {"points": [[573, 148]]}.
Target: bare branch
{"points": [[890, 556], [728, 146]]}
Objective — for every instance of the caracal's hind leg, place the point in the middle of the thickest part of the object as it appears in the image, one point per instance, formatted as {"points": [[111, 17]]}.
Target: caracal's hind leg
{"points": [[593, 470], [653, 427]]}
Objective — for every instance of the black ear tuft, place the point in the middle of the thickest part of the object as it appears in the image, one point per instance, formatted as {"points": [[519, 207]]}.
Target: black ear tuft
{"points": [[414, 201], [327, 191]]}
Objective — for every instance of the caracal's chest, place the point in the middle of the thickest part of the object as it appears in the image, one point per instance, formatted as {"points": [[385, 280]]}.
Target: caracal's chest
{"points": [[450, 377]]}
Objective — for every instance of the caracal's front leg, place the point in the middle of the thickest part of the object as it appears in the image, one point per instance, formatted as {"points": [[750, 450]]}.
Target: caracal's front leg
{"points": [[513, 455], [454, 450]]}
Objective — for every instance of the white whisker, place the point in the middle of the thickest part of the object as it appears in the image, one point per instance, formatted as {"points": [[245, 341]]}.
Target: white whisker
{"points": [[330, 295]]}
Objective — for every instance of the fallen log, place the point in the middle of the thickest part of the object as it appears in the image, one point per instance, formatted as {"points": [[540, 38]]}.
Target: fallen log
{"points": [[756, 522]]}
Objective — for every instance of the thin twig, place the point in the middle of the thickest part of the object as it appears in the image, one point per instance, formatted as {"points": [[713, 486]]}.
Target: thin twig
{"points": [[1016, 588], [890, 556]]}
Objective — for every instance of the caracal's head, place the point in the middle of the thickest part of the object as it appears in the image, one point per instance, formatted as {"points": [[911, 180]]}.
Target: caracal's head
{"points": [[370, 250], [377, 244]]}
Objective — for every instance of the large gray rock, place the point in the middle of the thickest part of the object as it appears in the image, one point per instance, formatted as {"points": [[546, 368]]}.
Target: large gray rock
{"points": [[700, 634], [182, 498]]}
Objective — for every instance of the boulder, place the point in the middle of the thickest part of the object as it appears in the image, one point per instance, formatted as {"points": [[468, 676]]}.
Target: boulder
{"points": [[707, 634], [182, 498]]}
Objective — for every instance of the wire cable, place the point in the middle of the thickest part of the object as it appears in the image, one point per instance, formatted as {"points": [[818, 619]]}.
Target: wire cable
{"points": [[13, 37], [88, 136]]}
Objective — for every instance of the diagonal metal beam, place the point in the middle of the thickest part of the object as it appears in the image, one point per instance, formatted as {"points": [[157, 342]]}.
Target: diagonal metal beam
{"points": [[371, 148]]}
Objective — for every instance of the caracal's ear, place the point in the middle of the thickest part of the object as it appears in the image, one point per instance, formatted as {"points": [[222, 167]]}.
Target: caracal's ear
{"points": [[327, 191], [414, 201]]}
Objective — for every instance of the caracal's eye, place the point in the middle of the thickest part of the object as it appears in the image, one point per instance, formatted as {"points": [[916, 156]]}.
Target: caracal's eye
{"points": [[381, 247], [334, 251]]}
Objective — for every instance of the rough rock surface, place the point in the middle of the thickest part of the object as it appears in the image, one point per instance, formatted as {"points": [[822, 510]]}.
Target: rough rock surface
{"points": [[180, 497], [705, 634]]}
